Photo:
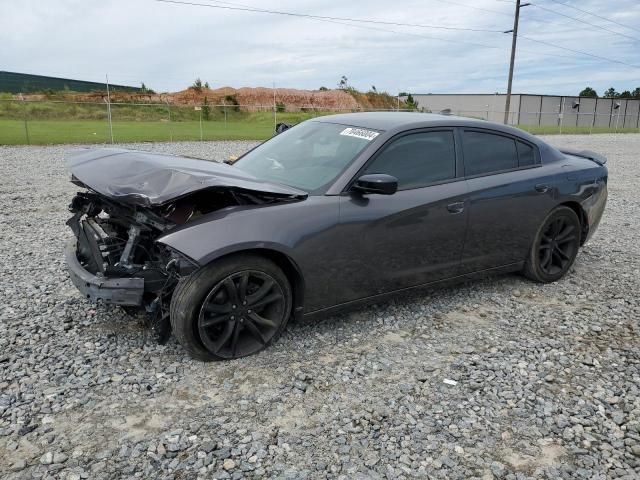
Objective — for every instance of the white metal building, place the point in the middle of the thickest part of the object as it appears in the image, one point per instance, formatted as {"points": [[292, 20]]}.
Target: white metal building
{"points": [[528, 109]]}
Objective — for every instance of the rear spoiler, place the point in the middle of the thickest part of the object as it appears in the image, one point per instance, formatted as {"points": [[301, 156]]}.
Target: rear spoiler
{"points": [[596, 157]]}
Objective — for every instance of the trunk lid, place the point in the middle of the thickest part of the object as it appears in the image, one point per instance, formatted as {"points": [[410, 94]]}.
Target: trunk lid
{"points": [[593, 156], [149, 179]]}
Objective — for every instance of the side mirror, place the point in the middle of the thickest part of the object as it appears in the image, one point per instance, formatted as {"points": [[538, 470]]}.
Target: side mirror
{"points": [[380, 183]]}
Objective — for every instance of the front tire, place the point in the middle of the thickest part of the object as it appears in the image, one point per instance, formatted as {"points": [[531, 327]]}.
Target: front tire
{"points": [[555, 246], [231, 308]]}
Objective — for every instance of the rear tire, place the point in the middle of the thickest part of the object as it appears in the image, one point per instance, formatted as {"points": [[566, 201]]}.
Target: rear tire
{"points": [[231, 308], [555, 246]]}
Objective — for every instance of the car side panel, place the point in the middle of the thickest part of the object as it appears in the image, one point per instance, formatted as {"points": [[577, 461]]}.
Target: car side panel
{"points": [[306, 231], [505, 211], [584, 182]]}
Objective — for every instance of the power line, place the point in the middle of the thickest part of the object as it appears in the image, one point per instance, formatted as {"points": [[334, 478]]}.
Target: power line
{"points": [[558, 13], [411, 34], [378, 29], [324, 17], [326, 20], [462, 42], [578, 51], [594, 14], [585, 22], [245, 7], [242, 7], [512, 2]]}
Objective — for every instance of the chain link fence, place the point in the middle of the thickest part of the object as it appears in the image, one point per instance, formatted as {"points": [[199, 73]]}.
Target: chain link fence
{"points": [[51, 121], [552, 122]]}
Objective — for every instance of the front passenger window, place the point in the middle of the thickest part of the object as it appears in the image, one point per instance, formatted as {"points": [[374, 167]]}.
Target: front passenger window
{"points": [[418, 159]]}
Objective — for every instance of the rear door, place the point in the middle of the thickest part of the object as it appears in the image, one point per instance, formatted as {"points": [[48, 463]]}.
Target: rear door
{"points": [[414, 236], [509, 196]]}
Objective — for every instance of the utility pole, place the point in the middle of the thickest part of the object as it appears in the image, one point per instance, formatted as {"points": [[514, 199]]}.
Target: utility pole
{"points": [[513, 58], [109, 107], [275, 109], [26, 126], [169, 122]]}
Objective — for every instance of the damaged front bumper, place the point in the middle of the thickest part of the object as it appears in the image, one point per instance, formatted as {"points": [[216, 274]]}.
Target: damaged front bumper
{"points": [[127, 291], [115, 259]]}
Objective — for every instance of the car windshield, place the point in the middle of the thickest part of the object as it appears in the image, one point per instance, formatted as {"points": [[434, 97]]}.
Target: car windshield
{"points": [[308, 156]]}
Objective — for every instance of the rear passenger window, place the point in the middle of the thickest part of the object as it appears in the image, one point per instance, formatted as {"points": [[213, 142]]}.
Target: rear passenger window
{"points": [[525, 155], [486, 153], [418, 159]]}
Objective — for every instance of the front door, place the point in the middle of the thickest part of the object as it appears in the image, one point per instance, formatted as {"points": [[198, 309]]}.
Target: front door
{"points": [[414, 236]]}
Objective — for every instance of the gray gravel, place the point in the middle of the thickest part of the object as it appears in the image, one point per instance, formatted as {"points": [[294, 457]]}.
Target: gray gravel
{"points": [[501, 378]]}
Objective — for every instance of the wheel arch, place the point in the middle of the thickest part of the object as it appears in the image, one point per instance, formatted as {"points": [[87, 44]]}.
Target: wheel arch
{"points": [[582, 217], [285, 262]]}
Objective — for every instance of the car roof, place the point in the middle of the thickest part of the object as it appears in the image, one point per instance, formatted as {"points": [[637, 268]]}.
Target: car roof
{"points": [[383, 120], [398, 121]]}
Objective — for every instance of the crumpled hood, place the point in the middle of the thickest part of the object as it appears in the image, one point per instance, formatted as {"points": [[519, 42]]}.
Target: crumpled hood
{"points": [[145, 178]]}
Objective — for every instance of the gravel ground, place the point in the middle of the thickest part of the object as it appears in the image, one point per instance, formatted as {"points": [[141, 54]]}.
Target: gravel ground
{"points": [[501, 378]]}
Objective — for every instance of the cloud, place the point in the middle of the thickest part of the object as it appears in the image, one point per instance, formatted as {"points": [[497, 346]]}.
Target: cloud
{"points": [[167, 46]]}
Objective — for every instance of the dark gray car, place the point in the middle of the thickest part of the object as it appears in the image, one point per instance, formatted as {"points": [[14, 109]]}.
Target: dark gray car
{"points": [[334, 211]]}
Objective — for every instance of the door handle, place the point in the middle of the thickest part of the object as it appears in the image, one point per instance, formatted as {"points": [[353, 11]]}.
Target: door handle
{"points": [[457, 207], [542, 188]]}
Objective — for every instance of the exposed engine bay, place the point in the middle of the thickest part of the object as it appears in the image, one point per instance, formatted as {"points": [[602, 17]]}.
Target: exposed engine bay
{"points": [[118, 240]]}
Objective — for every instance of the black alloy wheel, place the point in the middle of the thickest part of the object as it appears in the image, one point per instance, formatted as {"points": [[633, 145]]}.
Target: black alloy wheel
{"points": [[555, 247], [241, 314], [231, 308]]}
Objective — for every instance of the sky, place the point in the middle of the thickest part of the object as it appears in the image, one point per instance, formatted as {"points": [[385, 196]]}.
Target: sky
{"points": [[167, 46]]}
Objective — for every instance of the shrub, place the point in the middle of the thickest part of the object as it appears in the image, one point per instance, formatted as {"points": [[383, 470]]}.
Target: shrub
{"points": [[410, 103], [233, 101], [197, 85], [145, 89]]}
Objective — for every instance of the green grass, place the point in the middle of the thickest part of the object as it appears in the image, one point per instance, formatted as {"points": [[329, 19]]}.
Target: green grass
{"points": [[240, 126], [52, 110], [248, 126]]}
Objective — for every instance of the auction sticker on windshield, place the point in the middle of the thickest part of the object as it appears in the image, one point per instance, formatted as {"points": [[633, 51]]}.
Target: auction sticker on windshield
{"points": [[359, 133]]}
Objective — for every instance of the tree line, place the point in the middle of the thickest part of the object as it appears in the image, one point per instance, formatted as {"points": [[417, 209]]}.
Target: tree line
{"points": [[611, 93]]}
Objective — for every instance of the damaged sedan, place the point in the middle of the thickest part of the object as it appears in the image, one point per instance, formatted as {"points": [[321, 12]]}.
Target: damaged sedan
{"points": [[329, 213]]}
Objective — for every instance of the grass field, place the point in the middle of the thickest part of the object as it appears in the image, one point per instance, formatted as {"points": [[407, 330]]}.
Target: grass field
{"points": [[247, 126], [252, 126]]}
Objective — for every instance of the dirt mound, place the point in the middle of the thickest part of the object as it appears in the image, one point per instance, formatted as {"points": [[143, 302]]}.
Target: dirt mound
{"points": [[293, 99], [249, 99]]}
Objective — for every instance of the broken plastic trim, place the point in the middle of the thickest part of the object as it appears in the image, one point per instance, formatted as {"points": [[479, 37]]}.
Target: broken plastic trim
{"points": [[120, 291]]}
